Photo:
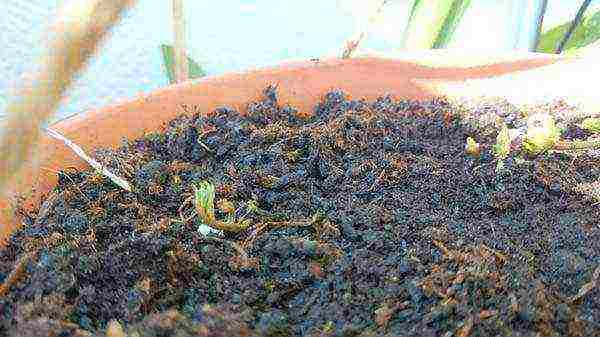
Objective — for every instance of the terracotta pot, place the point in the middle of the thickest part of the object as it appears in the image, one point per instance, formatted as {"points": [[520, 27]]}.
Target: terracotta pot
{"points": [[301, 84]]}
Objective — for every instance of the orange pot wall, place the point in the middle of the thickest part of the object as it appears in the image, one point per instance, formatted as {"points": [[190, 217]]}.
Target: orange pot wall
{"points": [[300, 84]]}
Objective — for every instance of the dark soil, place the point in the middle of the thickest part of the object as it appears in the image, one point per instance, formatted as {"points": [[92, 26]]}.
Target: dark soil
{"points": [[372, 221]]}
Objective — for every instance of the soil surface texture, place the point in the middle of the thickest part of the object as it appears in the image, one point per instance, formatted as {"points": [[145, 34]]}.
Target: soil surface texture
{"points": [[362, 219]]}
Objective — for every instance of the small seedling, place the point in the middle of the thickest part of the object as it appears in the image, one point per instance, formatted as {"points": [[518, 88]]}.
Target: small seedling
{"points": [[542, 134], [502, 147], [293, 156], [252, 206], [204, 195], [472, 148], [591, 125]]}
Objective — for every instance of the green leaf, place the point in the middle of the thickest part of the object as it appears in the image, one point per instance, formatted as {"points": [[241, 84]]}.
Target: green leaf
{"points": [[452, 20], [168, 53], [587, 32], [432, 23]]}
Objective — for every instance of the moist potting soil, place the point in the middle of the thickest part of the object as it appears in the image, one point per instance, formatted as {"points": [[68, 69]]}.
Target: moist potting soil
{"points": [[362, 219]]}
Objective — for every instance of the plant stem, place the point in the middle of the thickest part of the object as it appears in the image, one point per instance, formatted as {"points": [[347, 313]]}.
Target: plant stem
{"points": [[352, 44], [457, 10], [121, 182], [577, 145], [79, 31], [181, 64], [432, 23], [574, 24], [539, 22]]}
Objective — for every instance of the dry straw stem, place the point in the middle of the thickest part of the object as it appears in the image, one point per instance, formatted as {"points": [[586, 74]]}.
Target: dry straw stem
{"points": [[77, 33], [352, 44], [79, 151], [181, 63]]}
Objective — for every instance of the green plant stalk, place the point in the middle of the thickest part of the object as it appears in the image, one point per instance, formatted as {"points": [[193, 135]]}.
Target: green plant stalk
{"points": [[582, 33], [181, 62], [168, 54], [502, 147], [574, 24], [432, 23], [352, 44], [204, 198], [457, 11], [539, 22]]}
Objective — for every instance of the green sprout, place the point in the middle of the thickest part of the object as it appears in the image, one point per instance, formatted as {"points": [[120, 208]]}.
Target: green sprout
{"points": [[472, 147], [502, 147], [253, 206], [591, 124], [204, 198], [328, 327], [542, 134], [293, 156], [204, 202]]}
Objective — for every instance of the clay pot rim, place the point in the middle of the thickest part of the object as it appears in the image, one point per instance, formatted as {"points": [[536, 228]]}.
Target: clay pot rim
{"points": [[427, 58], [301, 83]]}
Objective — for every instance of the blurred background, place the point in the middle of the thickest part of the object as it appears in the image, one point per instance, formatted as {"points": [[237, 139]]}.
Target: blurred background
{"points": [[234, 35]]}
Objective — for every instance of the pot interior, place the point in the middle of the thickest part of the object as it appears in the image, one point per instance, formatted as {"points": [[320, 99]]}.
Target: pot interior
{"points": [[366, 215]]}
